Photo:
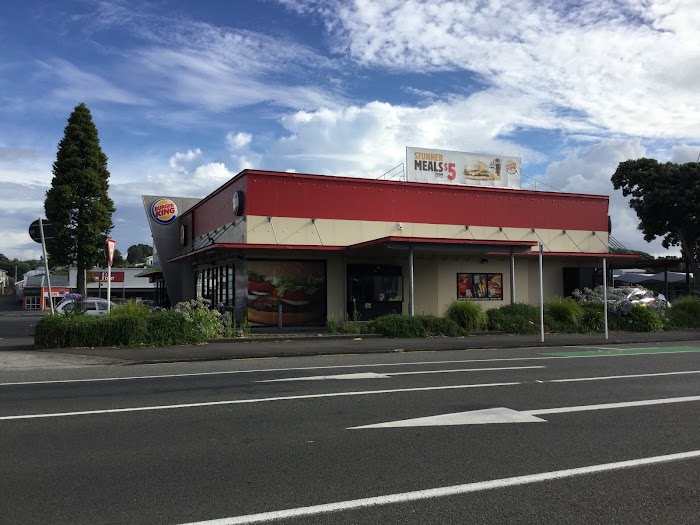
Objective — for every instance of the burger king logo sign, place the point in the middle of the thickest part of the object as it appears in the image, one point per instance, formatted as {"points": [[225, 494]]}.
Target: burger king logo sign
{"points": [[164, 211]]}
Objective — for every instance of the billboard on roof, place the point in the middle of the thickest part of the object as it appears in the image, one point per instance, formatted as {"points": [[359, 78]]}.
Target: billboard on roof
{"points": [[462, 169]]}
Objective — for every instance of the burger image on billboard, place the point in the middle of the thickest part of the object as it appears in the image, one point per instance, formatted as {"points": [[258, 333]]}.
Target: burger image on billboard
{"points": [[478, 171], [163, 211]]}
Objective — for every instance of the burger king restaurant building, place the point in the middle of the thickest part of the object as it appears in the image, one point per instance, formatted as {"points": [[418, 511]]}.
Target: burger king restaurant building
{"points": [[297, 249]]}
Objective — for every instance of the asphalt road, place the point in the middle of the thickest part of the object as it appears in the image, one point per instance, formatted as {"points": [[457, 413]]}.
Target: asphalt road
{"points": [[229, 440]]}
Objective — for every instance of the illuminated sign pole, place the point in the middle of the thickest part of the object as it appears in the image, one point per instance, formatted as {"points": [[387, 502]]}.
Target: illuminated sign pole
{"points": [[110, 257]]}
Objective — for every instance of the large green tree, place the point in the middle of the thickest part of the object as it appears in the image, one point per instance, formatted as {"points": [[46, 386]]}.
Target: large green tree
{"points": [[666, 198], [78, 204], [137, 253]]}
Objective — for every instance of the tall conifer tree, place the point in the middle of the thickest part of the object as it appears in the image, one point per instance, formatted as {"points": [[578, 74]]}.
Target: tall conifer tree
{"points": [[78, 204]]}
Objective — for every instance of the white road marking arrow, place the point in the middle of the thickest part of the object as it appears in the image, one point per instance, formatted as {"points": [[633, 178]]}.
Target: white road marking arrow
{"points": [[506, 415], [371, 375]]}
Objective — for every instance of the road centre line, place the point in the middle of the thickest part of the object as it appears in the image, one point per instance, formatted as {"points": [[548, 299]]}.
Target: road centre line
{"points": [[301, 368], [387, 375], [255, 400], [453, 490], [318, 396]]}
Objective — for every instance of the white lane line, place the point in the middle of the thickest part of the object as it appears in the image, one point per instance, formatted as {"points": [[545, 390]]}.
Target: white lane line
{"points": [[333, 367], [387, 375], [256, 400], [361, 375], [463, 370], [331, 394], [442, 492], [630, 376], [609, 406]]}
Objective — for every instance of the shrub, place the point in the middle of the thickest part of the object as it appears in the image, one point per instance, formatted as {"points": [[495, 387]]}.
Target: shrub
{"points": [[131, 307], [440, 326], [562, 315], [206, 321], [517, 318], [63, 331], [467, 314], [51, 331], [332, 324], [397, 325], [634, 318], [593, 318], [169, 327], [685, 313]]}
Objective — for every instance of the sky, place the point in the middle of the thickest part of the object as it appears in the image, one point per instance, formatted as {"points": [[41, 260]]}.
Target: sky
{"points": [[187, 94]]}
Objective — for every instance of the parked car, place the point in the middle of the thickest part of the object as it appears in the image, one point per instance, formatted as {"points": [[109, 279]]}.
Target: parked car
{"points": [[645, 297], [89, 305]]}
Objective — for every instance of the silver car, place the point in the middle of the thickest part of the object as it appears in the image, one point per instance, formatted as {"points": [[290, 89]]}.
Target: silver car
{"points": [[89, 305]]}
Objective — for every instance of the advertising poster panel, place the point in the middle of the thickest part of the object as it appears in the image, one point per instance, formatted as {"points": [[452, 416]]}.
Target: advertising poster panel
{"points": [[462, 169], [480, 286], [297, 287]]}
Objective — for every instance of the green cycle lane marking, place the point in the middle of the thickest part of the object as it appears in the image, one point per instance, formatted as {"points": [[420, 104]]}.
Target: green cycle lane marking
{"points": [[625, 351]]}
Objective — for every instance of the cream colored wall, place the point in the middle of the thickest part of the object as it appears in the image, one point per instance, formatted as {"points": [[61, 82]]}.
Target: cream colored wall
{"points": [[329, 232], [425, 285], [552, 279]]}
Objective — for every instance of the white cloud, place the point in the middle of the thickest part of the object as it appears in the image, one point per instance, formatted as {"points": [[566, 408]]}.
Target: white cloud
{"points": [[368, 140], [683, 154], [620, 65], [212, 174], [238, 140], [590, 170], [77, 84], [180, 162]]}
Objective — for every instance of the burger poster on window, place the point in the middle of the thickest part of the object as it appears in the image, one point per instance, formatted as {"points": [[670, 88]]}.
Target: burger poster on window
{"points": [[480, 286], [298, 287], [462, 169]]}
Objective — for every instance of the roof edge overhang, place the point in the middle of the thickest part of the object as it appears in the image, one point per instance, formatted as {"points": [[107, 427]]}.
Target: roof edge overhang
{"points": [[398, 242], [488, 247], [246, 246], [590, 255]]}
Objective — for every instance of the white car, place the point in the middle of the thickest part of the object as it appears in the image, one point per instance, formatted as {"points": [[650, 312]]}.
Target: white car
{"points": [[90, 305], [645, 297]]}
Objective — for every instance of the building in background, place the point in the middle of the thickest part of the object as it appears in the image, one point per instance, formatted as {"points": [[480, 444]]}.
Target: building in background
{"points": [[125, 283], [36, 293]]}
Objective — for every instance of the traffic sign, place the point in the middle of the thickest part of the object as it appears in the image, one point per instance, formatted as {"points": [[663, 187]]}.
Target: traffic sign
{"points": [[35, 231], [111, 243]]}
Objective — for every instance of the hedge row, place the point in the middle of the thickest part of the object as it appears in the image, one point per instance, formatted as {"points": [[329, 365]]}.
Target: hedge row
{"points": [[167, 327], [560, 315]]}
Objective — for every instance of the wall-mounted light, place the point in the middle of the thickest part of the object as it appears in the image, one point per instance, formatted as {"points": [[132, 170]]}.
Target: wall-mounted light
{"points": [[484, 261], [399, 226]]}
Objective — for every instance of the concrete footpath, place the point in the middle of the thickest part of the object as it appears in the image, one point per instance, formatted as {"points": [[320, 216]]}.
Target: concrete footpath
{"points": [[307, 344]]}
